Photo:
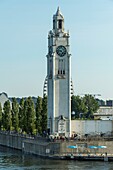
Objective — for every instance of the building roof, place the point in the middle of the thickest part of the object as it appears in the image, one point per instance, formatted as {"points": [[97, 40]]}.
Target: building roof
{"points": [[3, 98]]}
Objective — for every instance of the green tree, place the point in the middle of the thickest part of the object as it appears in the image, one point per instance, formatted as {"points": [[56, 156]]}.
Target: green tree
{"points": [[25, 117], [78, 106], [7, 118], [91, 105], [29, 116], [44, 114], [38, 114], [0, 116], [21, 114], [15, 113]]}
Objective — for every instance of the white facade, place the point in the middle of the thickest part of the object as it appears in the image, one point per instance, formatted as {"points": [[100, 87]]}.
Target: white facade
{"points": [[58, 75], [104, 113], [91, 126], [4, 98]]}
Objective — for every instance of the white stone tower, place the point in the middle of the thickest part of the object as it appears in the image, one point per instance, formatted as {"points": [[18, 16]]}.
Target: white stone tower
{"points": [[58, 75]]}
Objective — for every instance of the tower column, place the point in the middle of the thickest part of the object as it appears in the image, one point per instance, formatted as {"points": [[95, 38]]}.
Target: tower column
{"points": [[69, 86], [53, 79], [58, 66]]}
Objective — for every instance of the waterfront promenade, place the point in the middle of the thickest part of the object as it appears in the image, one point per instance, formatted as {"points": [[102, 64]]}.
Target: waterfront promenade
{"points": [[57, 148]]}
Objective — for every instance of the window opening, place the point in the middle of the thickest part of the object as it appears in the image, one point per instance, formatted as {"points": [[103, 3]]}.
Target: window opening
{"points": [[60, 24], [63, 71], [53, 24]]}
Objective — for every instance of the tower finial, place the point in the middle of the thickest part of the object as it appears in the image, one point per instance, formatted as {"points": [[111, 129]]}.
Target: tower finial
{"points": [[58, 21], [58, 11]]}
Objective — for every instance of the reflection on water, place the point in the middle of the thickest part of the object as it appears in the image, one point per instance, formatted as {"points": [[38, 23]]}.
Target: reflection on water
{"points": [[15, 160]]}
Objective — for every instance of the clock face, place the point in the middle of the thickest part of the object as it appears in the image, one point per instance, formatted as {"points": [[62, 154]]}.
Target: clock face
{"points": [[61, 50]]}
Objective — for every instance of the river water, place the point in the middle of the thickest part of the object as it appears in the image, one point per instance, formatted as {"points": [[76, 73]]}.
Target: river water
{"points": [[15, 160]]}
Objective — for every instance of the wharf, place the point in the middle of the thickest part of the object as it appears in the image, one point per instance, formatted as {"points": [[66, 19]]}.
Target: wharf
{"points": [[88, 158], [59, 149]]}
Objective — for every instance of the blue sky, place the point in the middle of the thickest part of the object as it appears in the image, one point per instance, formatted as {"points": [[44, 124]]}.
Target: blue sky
{"points": [[24, 26]]}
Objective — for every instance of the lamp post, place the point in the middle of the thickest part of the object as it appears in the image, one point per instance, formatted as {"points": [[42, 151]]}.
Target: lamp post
{"points": [[73, 114]]}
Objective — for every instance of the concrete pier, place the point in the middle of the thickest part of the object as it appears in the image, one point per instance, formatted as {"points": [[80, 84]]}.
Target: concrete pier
{"points": [[52, 148]]}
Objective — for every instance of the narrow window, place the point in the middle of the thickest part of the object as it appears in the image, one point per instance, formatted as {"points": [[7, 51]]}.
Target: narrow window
{"points": [[63, 71], [53, 24], [59, 66], [60, 24]]}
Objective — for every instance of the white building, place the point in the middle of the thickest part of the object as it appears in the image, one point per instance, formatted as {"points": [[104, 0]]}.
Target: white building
{"points": [[58, 78], [103, 123], [95, 127], [104, 113], [4, 98]]}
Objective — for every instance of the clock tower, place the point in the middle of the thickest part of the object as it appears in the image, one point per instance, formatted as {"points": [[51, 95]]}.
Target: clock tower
{"points": [[58, 77]]}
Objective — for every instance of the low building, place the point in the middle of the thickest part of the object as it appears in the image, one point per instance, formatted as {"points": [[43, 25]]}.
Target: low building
{"points": [[104, 113], [109, 102], [92, 127], [3, 98]]}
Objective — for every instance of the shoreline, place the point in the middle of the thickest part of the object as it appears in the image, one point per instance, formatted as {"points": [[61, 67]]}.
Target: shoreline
{"points": [[58, 149]]}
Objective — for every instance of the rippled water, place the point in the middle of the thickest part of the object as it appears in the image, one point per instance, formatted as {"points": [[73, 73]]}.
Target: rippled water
{"points": [[15, 160]]}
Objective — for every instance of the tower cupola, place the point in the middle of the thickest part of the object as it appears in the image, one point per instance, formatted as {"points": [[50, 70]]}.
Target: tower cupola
{"points": [[58, 22]]}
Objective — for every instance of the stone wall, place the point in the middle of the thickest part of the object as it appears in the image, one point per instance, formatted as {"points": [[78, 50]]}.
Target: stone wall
{"points": [[11, 140], [82, 146], [38, 146], [42, 147], [83, 127]]}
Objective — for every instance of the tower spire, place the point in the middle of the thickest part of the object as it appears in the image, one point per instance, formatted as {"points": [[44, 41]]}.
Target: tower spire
{"points": [[58, 21], [58, 11]]}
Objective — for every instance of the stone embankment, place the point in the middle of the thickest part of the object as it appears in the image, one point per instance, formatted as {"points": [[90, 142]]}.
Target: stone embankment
{"points": [[53, 148], [40, 146]]}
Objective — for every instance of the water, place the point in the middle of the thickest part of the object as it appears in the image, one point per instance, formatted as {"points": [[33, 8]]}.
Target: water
{"points": [[15, 160]]}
